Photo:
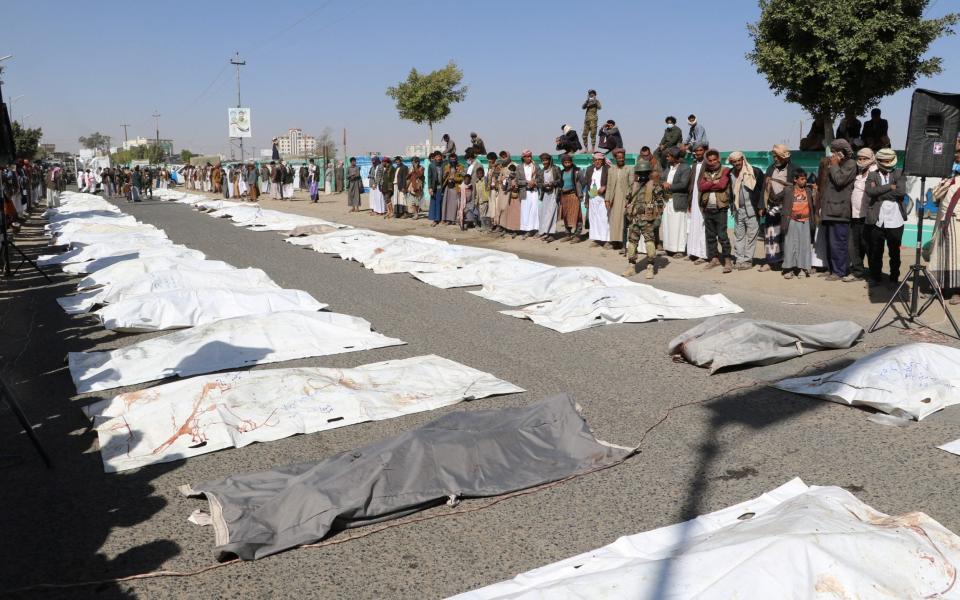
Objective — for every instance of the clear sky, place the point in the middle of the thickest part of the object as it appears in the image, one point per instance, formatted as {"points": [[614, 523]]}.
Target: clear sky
{"points": [[91, 66]]}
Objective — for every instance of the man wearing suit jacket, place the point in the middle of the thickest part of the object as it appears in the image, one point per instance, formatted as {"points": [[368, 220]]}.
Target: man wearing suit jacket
{"points": [[885, 214], [676, 184], [400, 177]]}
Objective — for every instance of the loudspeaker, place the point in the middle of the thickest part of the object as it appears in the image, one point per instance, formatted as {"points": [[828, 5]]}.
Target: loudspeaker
{"points": [[932, 134], [8, 150]]}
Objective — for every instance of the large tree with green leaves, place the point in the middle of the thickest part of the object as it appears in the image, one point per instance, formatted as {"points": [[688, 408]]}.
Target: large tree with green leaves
{"points": [[838, 55], [95, 141], [427, 97], [26, 140]]}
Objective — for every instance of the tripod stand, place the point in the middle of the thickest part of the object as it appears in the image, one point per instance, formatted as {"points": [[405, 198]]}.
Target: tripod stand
{"points": [[918, 272], [7, 394], [6, 245]]}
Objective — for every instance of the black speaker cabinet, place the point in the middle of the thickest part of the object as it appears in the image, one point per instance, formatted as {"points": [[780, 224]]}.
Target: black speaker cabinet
{"points": [[8, 152], [932, 134]]}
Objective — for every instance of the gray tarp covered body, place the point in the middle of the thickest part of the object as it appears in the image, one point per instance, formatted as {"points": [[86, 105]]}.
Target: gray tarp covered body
{"points": [[721, 342], [462, 454]]}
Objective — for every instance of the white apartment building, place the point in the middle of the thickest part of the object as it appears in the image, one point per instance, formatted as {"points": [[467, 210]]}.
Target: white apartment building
{"points": [[296, 143]]}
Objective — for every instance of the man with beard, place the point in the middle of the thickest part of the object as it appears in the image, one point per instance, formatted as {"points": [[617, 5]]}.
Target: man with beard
{"points": [[697, 237], [528, 184], [676, 183], [747, 198], [596, 179], [549, 197], [714, 189], [836, 208], [620, 179]]}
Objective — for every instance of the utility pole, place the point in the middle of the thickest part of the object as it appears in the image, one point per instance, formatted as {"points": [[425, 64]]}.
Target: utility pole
{"points": [[238, 62], [156, 117], [125, 125]]}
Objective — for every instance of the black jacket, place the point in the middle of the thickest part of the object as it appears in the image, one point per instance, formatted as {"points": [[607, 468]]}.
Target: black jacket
{"points": [[610, 138], [569, 142], [838, 188], [878, 193]]}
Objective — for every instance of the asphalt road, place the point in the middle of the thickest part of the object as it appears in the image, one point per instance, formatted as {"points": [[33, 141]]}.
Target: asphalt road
{"points": [[705, 441]]}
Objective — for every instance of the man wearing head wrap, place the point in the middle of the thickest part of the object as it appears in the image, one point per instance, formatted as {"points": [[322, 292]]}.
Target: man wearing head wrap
{"points": [[596, 178], [697, 235], [886, 214], [619, 182], [477, 145], [375, 177], [568, 143], [835, 207], [528, 183], [859, 234], [747, 198], [570, 197], [778, 176], [591, 107], [388, 184], [453, 173], [645, 206], [435, 188], [676, 185], [550, 183], [697, 134]]}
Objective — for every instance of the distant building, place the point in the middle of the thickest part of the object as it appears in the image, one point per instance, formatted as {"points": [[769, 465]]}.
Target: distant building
{"points": [[48, 148], [165, 144], [296, 143], [422, 150]]}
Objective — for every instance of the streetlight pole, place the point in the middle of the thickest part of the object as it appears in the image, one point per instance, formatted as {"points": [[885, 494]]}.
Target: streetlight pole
{"points": [[238, 62], [156, 117], [12, 101], [125, 125]]}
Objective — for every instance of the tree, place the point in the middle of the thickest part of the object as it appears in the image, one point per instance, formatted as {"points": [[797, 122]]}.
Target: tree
{"points": [[427, 98], [26, 140], [326, 145], [186, 155], [829, 57], [95, 141]]}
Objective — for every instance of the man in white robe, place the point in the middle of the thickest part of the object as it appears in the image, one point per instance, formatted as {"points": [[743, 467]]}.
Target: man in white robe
{"points": [[676, 183]]}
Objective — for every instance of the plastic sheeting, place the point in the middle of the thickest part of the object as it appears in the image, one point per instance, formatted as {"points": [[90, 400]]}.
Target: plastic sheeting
{"points": [[102, 250], [209, 413], [125, 254], [127, 270], [137, 284], [911, 380], [225, 344], [483, 272], [793, 542], [728, 341], [462, 454], [549, 285], [636, 303], [174, 309]]}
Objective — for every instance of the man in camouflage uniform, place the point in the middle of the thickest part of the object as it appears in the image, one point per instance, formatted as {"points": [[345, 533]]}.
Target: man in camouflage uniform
{"points": [[644, 206], [592, 107]]}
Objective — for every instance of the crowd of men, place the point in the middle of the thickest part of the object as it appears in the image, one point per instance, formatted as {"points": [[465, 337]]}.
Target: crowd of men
{"points": [[835, 222], [132, 184], [24, 185], [279, 179]]}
